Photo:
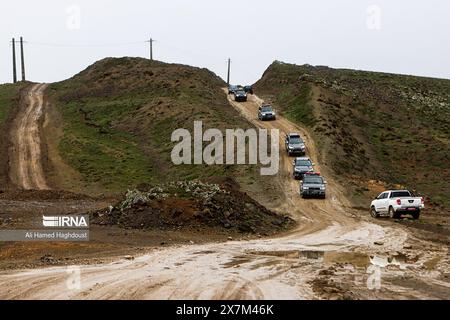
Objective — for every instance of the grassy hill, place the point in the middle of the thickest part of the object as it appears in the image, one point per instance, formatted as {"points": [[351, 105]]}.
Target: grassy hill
{"points": [[375, 130], [118, 116]]}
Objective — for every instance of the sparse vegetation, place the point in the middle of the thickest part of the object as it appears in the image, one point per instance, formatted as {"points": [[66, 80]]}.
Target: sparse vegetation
{"points": [[9, 95], [193, 204], [119, 115]]}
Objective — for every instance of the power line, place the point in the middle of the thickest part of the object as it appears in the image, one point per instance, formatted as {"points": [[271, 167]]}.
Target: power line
{"points": [[72, 45]]}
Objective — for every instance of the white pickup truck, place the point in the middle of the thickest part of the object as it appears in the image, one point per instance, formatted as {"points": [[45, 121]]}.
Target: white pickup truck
{"points": [[394, 203]]}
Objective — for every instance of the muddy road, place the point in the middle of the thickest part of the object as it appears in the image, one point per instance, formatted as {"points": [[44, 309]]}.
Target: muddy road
{"points": [[335, 253], [26, 170]]}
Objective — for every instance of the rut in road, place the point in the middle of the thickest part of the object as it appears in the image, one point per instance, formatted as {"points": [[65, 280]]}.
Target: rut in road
{"points": [[26, 170]]}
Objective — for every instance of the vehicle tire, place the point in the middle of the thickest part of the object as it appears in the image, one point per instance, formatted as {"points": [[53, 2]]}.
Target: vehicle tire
{"points": [[416, 215], [374, 213], [393, 214]]}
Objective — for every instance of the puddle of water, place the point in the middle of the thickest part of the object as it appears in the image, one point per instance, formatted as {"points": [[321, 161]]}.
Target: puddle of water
{"points": [[354, 258], [204, 252], [432, 263], [290, 254], [237, 261], [312, 254]]}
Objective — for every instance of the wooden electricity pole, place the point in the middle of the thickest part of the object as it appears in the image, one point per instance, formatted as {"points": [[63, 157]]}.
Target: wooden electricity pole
{"points": [[228, 74], [22, 59], [14, 60], [151, 48]]}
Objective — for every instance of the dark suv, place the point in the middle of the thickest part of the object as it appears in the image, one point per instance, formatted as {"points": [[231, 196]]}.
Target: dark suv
{"points": [[294, 144], [313, 185], [232, 89], [240, 96], [266, 112], [248, 89], [301, 166]]}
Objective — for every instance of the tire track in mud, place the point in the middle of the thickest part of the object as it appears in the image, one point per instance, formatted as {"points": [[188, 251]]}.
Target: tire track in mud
{"points": [[26, 169]]}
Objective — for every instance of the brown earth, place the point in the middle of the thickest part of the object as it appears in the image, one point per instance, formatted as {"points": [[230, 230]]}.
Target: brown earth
{"points": [[218, 206], [325, 257], [39, 175]]}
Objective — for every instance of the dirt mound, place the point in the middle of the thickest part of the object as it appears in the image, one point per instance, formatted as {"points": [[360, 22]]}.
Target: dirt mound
{"points": [[194, 205]]}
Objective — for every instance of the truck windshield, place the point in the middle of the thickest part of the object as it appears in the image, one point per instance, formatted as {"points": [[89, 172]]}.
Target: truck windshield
{"points": [[266, 109], [400, 194]]}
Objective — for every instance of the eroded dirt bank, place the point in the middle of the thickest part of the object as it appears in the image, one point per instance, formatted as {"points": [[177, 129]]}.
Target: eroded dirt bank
{"points": [[335, 253]]}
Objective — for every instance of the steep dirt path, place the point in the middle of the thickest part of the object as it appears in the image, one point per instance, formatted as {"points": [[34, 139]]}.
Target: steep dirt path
{"points": [[327, 256], [26, 170]]}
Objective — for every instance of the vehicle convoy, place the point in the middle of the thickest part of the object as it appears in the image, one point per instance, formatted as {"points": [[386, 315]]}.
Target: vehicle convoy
{"points": [[294, 144], [394, 203], [240, 96], [313, 185], [301, 166], [266, 112]]}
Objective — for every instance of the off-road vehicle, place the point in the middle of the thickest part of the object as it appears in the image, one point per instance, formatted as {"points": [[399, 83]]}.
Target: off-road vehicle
{"points": [[266, 112], [294, 144], [248, 89], [313, 185], [394, 203], [232, 89], [240, 96], [301, 166]]}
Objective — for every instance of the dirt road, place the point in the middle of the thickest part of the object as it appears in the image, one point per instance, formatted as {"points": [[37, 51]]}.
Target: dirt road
{"points": [[333, 254], [26, 170]]}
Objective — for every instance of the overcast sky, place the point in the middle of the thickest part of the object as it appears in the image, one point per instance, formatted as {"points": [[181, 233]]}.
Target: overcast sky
{"points": [[64, 37]]}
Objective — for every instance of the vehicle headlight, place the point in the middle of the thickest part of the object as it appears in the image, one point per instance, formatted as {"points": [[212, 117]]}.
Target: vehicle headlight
{"points": [[305, 188], [322, 188], [291, 147]]}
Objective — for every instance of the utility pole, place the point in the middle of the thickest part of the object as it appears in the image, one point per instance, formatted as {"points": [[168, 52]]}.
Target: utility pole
{"points": [[22, 59], [151, 48], [14, 60], [228, 74]]}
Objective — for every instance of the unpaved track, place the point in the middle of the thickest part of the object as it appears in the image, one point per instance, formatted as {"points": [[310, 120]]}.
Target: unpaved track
{"points": [[26, 170], [279, 268]]}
